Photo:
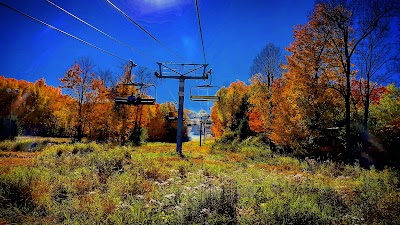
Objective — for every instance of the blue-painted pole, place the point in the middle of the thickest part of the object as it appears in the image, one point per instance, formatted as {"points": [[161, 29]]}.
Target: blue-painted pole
{"points": [[181, 95]]}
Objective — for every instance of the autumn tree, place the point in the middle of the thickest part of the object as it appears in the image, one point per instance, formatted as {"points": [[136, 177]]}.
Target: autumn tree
{"points": [[162, 123], [306, 107], [142, 75], [156, 131], [100, 115], [374, 59], [231, 110], [107, 77], [37, 108], [345, 27], [387, 111], [124, 114], [217, 127], [268, 64], [385, 127], [170, 113], [261, 106], [10, 98], [78, 82], [38, 117]]}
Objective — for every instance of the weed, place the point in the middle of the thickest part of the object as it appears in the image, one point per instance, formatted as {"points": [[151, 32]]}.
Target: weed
{"points": [[100, 184], [214, 206], [16, 193]]}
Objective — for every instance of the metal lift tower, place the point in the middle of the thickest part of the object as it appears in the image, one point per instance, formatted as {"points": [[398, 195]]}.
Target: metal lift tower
{"points": [[181, 71]]}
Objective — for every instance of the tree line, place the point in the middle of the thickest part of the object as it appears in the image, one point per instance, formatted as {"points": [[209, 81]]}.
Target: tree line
{"points": [[327, 96], [83, 107]]}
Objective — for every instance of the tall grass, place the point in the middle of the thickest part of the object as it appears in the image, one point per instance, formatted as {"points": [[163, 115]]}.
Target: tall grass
{"points": [[30, 144], [101, 184]]}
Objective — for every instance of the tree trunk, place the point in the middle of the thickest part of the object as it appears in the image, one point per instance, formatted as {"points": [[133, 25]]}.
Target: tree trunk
{"points": [[347, 99], [366, 106], [347, 117], [80, 125]]}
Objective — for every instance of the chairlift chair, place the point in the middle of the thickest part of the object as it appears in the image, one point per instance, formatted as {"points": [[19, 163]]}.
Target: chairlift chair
{"points": [[140, 98], [201, 93]]}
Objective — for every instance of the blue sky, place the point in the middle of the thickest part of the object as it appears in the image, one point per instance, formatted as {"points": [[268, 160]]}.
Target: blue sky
{"points": [[234, 32]]}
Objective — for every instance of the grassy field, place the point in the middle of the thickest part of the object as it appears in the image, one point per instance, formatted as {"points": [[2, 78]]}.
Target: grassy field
{"points": [[45, 181]]}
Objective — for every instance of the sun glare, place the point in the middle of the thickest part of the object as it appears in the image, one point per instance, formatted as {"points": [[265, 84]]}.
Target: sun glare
{"points": [[163, 3]]}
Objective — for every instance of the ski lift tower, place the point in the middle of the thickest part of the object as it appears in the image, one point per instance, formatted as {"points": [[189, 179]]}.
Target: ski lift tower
{"points": [[181, 72], [203, 122]]}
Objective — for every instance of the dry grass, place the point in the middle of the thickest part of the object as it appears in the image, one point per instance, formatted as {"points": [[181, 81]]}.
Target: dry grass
{"points": [[11, 159], [103, 184]]}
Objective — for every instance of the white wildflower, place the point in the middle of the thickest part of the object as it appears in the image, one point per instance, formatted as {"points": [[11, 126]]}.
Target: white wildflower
{"points": [[123, 206], [205, 211], [170, 196], [177, 207], [139, 196]]}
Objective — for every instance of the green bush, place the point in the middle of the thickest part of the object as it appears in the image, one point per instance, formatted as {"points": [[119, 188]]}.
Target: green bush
{"points": [[138, 136]]}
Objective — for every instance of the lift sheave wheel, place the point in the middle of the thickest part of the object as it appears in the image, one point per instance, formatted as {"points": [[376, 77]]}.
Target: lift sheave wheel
{"points": [[204, 93]]}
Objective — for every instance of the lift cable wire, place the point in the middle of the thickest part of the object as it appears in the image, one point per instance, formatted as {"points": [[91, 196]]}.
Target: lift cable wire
{"points": [[201, 32], [64, 32], [102, 32], [138, 25]]}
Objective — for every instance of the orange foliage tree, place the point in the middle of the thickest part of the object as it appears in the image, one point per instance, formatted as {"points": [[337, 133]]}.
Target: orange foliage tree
{"points": [[262, 108], [100, 113], [227, 113], [39, 109], [306, 106], [265, 69], [78, 83]]}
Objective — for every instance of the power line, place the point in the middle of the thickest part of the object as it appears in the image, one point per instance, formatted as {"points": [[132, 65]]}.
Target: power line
{"points": [[201, 32], [100, 31], [64, 32], [144, 30]]}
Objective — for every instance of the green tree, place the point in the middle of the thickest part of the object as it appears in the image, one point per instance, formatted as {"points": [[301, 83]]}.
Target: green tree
{"points": [[388, 110]]}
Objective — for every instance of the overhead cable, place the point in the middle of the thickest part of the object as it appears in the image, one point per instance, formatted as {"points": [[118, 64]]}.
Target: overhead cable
{"points": [[100, 31], [64, 32], [201, 32], [144, 30]]}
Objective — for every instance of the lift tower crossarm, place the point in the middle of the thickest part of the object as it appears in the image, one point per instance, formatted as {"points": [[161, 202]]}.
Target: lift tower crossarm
{"points": [[187, 69]]}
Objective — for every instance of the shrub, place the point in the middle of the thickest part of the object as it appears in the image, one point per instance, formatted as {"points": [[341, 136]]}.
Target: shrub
{"points": [[139, 136], [216, 206], [228, 142], [16, 191], [256, 148], [292, 209]]}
